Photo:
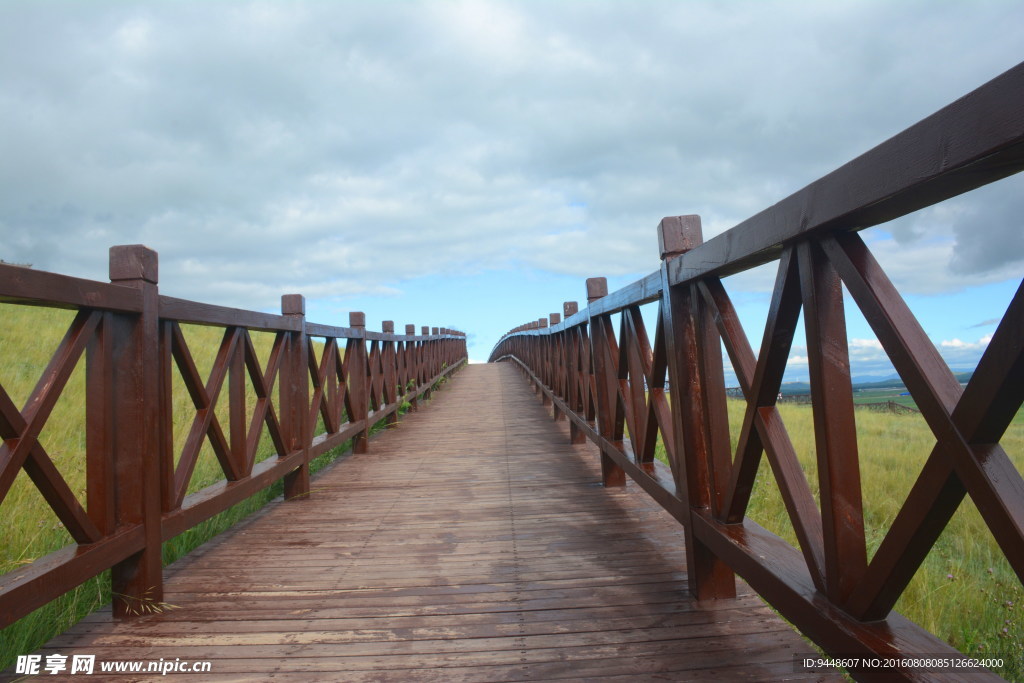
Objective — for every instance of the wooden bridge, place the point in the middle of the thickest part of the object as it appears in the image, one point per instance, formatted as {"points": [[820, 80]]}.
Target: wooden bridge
{"points": [[474, 540], [473, 543]]}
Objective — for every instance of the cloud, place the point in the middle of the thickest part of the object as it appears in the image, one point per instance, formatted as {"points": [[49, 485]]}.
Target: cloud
{"points": [[961, 355], [868, 358], [930, 264], [965, 241], [957, 345], [345, 148]]}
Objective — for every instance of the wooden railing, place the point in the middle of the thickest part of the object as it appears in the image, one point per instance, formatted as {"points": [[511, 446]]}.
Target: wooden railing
{"points": [[311, 398], [607, 384]]}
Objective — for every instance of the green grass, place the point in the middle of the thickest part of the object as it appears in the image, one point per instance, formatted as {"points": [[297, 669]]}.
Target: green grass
{"points": [[883, 395], [28, 337], [965, 592]]}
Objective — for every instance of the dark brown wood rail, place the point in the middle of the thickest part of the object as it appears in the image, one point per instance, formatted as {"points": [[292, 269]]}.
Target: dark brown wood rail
{"points": [[137, 485], [607, 384]]}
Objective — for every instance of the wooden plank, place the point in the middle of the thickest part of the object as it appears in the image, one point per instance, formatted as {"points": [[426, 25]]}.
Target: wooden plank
{"points": [[39, 288], [197, 313], [44, 580]]}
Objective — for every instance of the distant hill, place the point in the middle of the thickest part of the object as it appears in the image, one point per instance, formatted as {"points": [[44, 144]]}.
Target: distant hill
{"points": [[897, 383], [793, 388], [894, 383]]}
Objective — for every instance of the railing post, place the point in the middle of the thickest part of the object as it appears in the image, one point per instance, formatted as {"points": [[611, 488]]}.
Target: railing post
{"points": [[357, 364], [412, 367], [574, 372], [603, 357], [389, 368], [557, 367], [295, 394], [424, 362], [446, 346], [698, 406], [543, 365], [434, 356], [137, 582]]}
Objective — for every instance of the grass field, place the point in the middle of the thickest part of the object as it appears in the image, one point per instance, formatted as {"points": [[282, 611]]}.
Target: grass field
{"points": [[883, 395], [28, 337], [965, 592]]}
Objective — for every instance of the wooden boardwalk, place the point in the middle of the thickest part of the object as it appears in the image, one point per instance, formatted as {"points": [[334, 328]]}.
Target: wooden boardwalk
{"points": [[472, 543]]}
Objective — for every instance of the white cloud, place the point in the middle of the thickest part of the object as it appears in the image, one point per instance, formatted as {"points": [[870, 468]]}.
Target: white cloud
{"points": [[364, 144], [133, 35], [957, 345], [966, 241]]}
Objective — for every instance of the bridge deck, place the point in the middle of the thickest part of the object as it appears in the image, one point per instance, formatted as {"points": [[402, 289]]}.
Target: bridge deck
{"points": [[472, 543]]}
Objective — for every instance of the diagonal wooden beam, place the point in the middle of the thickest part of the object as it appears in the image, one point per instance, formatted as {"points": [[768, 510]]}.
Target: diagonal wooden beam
{"points": [[967, 424], [22, 430], [17, 447], [61, 499], [615, 407], [763, 428], [226, 364], [263, 384], [659, 404], [731, 330], [44, 474], [712, 392], [205, 423], [627, 381], [649, 390], [637, 356]]}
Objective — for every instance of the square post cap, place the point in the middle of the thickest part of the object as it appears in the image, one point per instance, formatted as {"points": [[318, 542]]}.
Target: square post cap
{"points": [[293, 304], [133, 262], [678, 235]]}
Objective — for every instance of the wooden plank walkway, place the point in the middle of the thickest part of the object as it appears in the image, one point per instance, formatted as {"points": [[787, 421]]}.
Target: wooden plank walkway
{"points": [[473, 543]]}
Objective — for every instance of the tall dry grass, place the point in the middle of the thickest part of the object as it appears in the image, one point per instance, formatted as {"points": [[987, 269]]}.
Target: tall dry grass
{"points": [[965, 592]]}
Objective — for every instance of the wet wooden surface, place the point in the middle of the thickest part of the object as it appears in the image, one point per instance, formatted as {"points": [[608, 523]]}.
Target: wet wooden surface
{"points": [[472, 542]]}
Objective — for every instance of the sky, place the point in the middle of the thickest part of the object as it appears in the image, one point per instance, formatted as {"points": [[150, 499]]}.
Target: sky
{"points": [[470, 164]]}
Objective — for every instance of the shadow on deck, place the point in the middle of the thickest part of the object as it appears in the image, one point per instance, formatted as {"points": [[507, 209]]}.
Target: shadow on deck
{"points": [[473, 543]]}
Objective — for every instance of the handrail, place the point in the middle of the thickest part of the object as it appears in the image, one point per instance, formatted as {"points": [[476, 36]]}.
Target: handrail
{"points": [[138, 484], [606, 384]]}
